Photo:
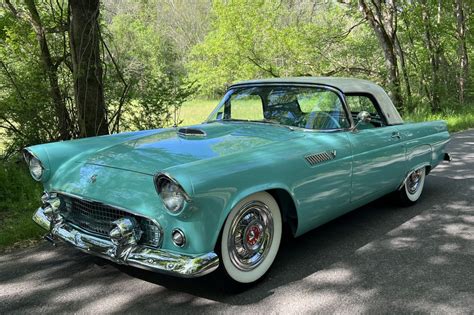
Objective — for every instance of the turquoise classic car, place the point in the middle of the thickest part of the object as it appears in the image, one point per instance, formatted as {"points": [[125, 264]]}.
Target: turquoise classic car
{"points": [[276, 153]]}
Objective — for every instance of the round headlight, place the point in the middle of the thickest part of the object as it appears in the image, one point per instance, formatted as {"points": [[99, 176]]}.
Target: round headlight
{"points": [[36, 168], [171, 194]]}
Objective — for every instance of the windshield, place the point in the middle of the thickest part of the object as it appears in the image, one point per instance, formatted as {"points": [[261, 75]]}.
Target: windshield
{"points": [[295, 106]]}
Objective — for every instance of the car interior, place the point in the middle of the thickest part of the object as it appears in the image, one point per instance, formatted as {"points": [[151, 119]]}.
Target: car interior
{"points": [[303, 107], [365, 102]]}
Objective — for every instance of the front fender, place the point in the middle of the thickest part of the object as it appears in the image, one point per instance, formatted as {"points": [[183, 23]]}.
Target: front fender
{"points": [[210, 210], [55, 155], [236, 198]]}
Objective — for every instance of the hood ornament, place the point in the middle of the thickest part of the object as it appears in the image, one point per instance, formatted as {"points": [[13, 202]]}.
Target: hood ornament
{"points": [[93, 179]]}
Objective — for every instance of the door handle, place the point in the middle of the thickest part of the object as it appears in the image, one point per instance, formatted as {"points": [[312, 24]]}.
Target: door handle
{"points": [[396, 135]]}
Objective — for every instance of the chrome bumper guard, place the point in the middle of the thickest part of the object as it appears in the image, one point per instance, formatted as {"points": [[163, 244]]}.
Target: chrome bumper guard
{"points": [[157, 260]]}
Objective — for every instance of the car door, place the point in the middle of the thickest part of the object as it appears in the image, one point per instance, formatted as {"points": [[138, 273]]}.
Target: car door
{"points": [[323, 175], [378, 153]]}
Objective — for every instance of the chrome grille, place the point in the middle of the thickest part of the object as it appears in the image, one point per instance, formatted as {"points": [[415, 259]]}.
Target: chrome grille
{"points": [[320, 157], [97, 218]]}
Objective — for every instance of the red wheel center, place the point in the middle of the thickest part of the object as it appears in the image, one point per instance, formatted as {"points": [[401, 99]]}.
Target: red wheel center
{"points": [[253, 235]]}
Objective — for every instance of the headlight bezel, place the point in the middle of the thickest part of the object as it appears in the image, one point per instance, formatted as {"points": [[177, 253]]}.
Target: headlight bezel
{"points": [[29, 158], [163, 179]]}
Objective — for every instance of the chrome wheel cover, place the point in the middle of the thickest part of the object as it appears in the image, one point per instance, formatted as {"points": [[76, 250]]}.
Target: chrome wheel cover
{"points": [[250, 236], [413, 181]]}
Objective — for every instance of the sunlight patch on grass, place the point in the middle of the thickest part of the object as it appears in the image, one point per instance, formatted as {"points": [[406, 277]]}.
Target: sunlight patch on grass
{"points": [[196, 111]]}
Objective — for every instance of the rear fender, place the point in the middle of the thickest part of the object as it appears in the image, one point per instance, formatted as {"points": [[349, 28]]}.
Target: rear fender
{"points": [[416, 167]]}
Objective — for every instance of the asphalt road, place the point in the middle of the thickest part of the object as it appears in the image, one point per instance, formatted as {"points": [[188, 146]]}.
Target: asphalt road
{"points": [[377, 259]]}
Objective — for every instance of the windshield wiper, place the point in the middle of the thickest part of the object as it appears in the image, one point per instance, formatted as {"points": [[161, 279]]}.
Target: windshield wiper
{"points": [[228, 119], [263, 121], [266, 121], [273, 122]]}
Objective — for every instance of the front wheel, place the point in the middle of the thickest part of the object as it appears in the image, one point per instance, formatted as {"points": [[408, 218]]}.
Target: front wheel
{"points": [[413, 187], [251, 237]]}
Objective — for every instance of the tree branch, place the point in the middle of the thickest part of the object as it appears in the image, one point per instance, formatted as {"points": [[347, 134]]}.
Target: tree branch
{"points": [[270, 70]]}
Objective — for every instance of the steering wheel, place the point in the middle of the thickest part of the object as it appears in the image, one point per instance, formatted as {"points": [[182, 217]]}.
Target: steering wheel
{"points": [[314, 115]]}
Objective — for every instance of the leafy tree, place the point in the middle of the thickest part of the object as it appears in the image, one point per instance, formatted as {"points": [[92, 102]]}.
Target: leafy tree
{"points": [[32, 101], [251, 39], [150, 67], [418, 50]]}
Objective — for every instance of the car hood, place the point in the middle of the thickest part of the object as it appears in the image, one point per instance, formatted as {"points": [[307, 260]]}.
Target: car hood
{"points": [[153, 152]]}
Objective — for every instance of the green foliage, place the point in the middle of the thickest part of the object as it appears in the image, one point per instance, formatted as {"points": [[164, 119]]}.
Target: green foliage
{"points": [[456, 121], [26, 112], [150, 67], [159, 105], [18, 199], [252, 39], [440, 27]]}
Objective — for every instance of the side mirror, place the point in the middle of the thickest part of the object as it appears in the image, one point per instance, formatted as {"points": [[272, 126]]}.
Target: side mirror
{"points": [[362, 118]]}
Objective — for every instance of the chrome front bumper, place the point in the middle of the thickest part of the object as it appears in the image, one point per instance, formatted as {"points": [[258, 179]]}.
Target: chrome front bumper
{"points": [[157, 260]]}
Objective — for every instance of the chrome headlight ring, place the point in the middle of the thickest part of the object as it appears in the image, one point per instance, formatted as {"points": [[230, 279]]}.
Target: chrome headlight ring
{"points": [[35, 165], [173, 196]]}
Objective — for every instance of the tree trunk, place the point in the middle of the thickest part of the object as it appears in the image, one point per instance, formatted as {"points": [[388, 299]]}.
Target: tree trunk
{"points": [[384, 27], [87, 67], [403, 67], [434, 52], [51, 72], [462, 50]]}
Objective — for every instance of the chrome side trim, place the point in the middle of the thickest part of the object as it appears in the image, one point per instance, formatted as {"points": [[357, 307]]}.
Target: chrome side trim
{"points": [[157, 260], [316, 158]]}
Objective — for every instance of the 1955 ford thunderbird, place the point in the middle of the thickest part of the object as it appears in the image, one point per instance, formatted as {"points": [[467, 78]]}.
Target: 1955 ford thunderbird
{"points": [[296, 152]]}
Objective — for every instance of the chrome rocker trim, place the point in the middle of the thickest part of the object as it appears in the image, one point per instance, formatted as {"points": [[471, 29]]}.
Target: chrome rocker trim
{"points": [[156, 260]]}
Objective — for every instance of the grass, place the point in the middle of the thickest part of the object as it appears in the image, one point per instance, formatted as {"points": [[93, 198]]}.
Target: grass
{"points": [[19, 197], [457, 121], [196, 111]]}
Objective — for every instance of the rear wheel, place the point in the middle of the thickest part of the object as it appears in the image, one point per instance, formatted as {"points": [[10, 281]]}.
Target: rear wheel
{"points": [[251, 237], [413, 187]]}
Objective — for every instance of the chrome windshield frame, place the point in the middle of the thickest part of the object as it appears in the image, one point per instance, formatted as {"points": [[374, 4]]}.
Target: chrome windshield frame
{"points": [[338, 92]]}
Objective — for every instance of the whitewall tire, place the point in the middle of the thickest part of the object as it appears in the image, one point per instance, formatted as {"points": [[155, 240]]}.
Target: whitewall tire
{"points": [[251, 237], [413, 187]]}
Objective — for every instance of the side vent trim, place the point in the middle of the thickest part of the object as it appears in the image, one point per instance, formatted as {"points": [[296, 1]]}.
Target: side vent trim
{"points": [[316, 158]]}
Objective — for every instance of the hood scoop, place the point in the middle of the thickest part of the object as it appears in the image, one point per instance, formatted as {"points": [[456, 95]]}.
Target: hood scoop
{"points": [[191, 132]]}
